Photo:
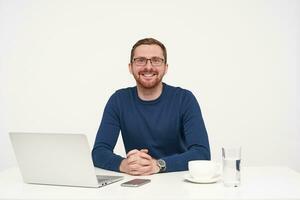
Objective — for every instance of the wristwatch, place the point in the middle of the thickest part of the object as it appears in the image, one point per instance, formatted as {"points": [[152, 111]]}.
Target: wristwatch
{"points": [[162, 165]]}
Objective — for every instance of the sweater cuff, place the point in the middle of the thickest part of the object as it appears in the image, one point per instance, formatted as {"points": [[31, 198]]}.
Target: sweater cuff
{"points": [[116, 163]]}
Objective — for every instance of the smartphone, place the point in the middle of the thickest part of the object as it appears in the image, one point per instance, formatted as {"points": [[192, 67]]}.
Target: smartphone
{"points": [[135, 182]]}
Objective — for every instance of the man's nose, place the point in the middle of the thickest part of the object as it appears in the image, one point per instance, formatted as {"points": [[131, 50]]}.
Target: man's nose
{"points": [[148, 64]]}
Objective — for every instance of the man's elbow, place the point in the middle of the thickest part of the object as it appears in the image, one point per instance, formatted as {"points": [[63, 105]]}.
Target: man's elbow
{"points": [[94, 158]]}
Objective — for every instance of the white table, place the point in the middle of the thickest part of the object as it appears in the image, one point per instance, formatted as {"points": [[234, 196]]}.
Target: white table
{"points": [[257, 183]]}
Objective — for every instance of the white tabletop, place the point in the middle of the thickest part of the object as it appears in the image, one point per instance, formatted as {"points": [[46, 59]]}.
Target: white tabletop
{"points": [[257, 183]]}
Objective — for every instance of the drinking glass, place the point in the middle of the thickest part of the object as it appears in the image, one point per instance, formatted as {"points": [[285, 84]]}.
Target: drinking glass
{"points": [[231, 157]]}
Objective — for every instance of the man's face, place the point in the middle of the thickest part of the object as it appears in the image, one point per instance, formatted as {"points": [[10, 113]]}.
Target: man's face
{"points": [[148, 76]]}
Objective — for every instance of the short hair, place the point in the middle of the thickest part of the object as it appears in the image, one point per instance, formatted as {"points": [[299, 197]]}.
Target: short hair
{"points": [[149, 41]]}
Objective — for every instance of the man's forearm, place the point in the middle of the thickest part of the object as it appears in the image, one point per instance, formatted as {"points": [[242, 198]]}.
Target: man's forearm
{"points": [[179, 162], [106, 159]]}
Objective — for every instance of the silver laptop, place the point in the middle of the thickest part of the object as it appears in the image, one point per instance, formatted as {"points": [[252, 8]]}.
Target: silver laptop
{"points": [[57, 159]]}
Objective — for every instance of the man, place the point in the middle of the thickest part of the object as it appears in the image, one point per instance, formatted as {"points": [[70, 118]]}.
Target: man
{"points": [[162, 126]]}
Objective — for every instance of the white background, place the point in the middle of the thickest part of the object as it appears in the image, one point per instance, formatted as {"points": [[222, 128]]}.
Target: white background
{"points": [[61, 60]]}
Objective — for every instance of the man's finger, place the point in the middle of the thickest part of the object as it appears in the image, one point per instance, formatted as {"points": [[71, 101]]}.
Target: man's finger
{"points": [[134, 151], [146, 170], [138, 170], [134, 167], [145, 162], [144, 150], [145, 155], [132, 159]]}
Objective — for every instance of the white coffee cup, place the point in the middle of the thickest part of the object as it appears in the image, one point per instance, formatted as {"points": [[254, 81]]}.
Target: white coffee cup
{"points": [[203, 169]]}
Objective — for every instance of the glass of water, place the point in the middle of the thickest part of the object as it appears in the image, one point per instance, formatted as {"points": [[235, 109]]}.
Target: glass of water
{"points": [[231, 157]]}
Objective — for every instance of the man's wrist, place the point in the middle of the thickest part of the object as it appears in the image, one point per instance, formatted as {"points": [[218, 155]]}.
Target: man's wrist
{"points": [[123, 166]]}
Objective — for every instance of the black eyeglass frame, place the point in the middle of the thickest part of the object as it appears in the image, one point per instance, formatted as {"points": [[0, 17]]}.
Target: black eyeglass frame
{"points": [[150, 59]]}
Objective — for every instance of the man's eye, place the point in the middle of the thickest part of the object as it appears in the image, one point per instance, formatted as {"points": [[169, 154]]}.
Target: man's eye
{"points": [[140, 59], [155, 59]]}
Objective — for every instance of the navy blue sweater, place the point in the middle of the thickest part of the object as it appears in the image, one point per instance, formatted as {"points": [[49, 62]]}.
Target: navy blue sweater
{"points": [[170, 127]]}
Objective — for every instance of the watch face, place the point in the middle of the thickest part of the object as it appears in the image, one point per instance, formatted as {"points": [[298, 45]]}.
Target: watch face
{"points": [[162, 165]]}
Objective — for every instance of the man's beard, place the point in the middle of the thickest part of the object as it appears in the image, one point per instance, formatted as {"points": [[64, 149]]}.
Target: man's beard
{"points": [[148, 84]]}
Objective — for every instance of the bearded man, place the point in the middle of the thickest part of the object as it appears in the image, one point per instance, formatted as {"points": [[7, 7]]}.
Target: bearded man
{"points": [[161, 125]]}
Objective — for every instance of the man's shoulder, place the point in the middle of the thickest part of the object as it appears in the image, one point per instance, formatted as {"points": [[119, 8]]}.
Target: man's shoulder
{"points": [[123, 92], [178, 90]]}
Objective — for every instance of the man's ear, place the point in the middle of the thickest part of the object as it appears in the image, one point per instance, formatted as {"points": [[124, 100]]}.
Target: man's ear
{"points": [[166, 70], [130, 68]]}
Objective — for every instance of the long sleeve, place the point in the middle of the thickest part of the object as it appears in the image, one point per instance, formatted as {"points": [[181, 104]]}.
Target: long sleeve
{"points": [[195, 136], [106, 139]]}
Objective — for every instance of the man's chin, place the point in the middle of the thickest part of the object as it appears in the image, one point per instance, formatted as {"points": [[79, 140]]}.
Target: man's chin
{"points": [[149, 85]]}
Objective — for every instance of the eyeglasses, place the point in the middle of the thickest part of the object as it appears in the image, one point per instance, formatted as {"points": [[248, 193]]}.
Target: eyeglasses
{"points": [[142, 61]]}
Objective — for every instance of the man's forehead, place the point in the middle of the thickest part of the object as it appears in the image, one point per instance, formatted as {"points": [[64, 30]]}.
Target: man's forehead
{"points": [[148, 49]]}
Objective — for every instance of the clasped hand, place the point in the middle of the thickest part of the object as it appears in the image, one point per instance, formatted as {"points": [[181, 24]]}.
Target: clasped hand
{"points": [[138, 163]]}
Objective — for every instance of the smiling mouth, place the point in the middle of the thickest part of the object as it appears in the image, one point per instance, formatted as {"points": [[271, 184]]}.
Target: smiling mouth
{"points": [[148, 75]]}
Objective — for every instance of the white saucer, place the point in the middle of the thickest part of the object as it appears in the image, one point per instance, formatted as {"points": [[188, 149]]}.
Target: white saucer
{"points": [[189, 178]]}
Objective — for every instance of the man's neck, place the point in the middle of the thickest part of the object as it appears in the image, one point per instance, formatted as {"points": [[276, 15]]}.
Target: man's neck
{"points": [[147, 94]]}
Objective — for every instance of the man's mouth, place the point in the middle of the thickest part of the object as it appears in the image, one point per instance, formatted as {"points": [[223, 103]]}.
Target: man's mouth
{"points": [[147, 74]]}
